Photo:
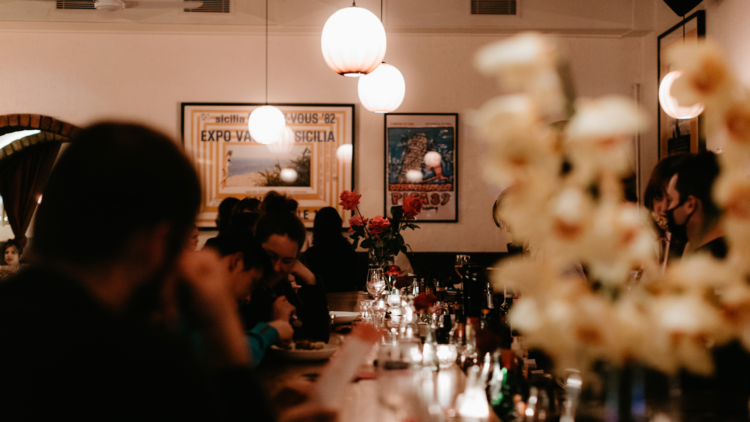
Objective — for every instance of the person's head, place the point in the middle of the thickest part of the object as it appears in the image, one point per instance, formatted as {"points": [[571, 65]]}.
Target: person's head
{"points": [[192, 242], [281, 233], [225, 213], [132, 193], [655, 196], [12, 252], [244, 222], [689, 193], [251, 205], [245, 259], [327, 226]]}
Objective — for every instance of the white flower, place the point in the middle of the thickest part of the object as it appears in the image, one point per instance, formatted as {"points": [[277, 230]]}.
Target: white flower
{"points": [[705, 76], [598, 137], [526, 62]]}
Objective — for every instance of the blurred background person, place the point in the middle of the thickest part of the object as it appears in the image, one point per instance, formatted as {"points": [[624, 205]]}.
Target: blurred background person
{"points": [[282, 235], [225, 213], [331, 256], [692, 213], [655, 200], [12, 253], [247, 263]]}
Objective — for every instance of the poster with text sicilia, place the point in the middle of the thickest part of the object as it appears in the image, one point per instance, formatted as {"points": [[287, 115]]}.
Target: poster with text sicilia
{"points": [[303, 163], [421, 152]]}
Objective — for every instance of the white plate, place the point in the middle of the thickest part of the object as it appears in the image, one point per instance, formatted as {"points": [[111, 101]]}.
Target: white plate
{"points": [[340, 317], [308, 355]]}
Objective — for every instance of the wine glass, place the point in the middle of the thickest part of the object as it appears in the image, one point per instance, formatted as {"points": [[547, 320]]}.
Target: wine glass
{"points": [[375, 282]]}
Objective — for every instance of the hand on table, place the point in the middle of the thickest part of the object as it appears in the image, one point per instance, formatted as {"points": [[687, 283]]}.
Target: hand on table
{"points": [[284, 328]]}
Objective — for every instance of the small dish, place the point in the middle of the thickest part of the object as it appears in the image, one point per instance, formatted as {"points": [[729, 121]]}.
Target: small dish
{"points": [[341, 317]]}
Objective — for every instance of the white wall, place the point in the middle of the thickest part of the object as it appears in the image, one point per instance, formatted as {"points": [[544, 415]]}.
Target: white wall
{"points": [[84, 76]]}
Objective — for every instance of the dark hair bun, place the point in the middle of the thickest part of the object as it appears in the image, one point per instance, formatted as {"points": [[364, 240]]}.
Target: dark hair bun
{"points": [[275, 202]]}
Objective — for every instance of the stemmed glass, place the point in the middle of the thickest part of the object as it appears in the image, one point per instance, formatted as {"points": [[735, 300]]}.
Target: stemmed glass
{"points": [[375, 282]]}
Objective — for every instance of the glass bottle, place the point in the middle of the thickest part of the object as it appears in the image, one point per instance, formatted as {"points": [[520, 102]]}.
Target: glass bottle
{"points": [[472, 403], [429, 350]]}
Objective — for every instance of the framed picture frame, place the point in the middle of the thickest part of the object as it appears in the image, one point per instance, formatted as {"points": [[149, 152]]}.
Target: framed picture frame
{"points": [[311, 162], [680, 135], [421, 160]]}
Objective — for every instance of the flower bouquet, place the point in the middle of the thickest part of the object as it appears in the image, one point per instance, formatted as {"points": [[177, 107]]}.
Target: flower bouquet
{"points": [[381, 236], [562, 162]]}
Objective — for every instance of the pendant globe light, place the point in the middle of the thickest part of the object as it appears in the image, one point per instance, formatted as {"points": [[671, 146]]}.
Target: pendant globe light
{"points": [[670, 105], [266, 123], [383, 90], [353, 41]]}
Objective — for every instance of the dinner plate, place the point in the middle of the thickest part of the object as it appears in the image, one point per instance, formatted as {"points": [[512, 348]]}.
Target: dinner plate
{"points": [[341, 317], [308, 355]]}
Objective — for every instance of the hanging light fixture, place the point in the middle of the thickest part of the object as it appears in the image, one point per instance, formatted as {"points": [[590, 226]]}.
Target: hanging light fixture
{"points": [[266, 123], [353, 41], [383, 90], [344, 153], [670, 105]]}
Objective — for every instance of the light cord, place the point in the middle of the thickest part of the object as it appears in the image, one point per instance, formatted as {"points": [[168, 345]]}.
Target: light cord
{"points": [[266, 52]]}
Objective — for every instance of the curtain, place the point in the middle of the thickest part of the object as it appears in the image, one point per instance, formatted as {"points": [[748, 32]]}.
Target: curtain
{"points": [[22, 180]]}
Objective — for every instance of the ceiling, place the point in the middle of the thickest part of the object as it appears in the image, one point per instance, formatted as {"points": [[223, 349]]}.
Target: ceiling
{"points": [[577, 17]]}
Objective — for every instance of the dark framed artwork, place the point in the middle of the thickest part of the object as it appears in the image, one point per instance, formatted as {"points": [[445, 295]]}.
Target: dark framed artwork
{"points": [[421, 156], [680, 135], [305, 165]]}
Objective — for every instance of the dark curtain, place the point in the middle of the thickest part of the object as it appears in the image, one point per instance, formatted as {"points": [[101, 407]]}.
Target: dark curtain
{"points": [[22, 180]]}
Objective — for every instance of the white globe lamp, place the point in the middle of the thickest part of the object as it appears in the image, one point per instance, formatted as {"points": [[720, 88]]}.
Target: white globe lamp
{"points": [[266, 124], [288, 175], [284, 144], [383, 90], [670, 105], [353, 42], [432, 159], [344, 153]]}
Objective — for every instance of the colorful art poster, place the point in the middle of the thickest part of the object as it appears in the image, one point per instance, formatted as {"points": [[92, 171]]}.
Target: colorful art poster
{"points": [[421, 152], [303, 164]]}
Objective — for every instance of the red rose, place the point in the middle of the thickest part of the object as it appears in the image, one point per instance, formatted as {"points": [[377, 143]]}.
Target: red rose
{"points": [[349, 200], [393, 270], [402, 282], [412, 206], [357, 221], [424, 301], [378, 225]]}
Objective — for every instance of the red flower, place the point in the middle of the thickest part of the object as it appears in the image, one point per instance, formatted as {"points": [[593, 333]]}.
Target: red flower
{"points": [[393, 270], [402, 282], [357, 221], [349, 200], [424, 302], [412, 206], [378, 225]]}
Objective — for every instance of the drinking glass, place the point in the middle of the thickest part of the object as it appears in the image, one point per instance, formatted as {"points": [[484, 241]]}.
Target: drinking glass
{"points": [[375, 282], [365, 308], [378, 317]]}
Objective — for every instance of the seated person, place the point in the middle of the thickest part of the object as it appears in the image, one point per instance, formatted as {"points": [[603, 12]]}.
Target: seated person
{"points": [[225, 213], [246, 263], [12, 251], [282, 234], [331, 256]]}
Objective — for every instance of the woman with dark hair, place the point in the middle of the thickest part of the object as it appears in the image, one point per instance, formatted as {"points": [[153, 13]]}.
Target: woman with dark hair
{"points": [[282, 235], [331, 255], [655, 199], [12, 251]]}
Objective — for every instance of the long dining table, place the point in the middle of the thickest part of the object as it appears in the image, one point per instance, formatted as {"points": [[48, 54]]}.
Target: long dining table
{"points": [[360, 401]]}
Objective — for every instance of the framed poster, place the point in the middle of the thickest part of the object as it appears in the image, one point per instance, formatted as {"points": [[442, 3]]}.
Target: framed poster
{"points": [[421, 156], [302, 164], [680, 135]]}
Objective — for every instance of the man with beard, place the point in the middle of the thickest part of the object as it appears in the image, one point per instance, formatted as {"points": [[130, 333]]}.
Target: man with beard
{"points": [[691, 213], [77, 341]]}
